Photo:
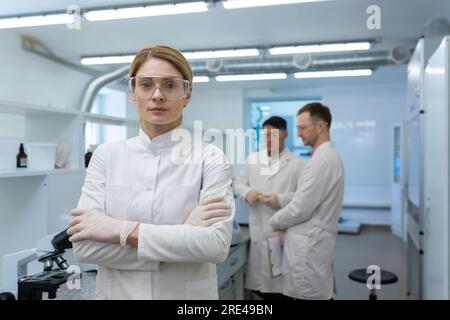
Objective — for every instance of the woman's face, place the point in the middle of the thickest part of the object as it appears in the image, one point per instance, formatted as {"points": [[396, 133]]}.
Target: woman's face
{"points": [[162, 105]]}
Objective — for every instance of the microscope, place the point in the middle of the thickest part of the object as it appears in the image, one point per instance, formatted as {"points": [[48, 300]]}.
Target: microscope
{"points": [[31, 287]]}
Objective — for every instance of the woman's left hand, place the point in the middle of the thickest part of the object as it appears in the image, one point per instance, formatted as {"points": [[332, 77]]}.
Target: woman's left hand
{"points": [[90, 224]]}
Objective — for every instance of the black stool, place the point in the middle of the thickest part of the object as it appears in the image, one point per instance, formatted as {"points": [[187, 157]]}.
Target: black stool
{"points": [[361, 275]]}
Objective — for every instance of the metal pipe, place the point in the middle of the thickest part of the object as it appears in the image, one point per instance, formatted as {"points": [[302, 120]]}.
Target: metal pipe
{"points": [[97, 83], [286, 64]]}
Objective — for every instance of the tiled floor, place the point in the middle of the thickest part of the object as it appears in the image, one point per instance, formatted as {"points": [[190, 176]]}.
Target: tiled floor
{"points": [[374, 245]]}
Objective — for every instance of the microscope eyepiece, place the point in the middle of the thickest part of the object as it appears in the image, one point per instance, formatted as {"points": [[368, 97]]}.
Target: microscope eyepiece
{"points": [[61, 241]]}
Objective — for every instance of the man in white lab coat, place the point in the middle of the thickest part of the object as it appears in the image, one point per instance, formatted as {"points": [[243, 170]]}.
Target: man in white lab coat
{"points": [[267, 182], [310, 219]]}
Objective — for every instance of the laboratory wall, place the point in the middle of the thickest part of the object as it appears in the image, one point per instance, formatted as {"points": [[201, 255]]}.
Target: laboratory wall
{"points": [[364, 113], [217, 107], [36, 80]]}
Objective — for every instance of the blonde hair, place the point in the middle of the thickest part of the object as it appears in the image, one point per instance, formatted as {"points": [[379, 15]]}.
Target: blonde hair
{"points": [[169, 54]]}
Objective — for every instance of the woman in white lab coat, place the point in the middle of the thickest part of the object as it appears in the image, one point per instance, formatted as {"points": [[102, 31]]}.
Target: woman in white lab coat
{"points": [[154, 217]]}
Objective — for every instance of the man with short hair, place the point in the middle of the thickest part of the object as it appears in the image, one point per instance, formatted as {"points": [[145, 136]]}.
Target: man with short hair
{"points": [[310, 219], [267, 182]]}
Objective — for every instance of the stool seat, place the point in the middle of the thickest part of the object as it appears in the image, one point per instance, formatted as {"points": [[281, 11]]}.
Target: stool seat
{"points": [[361, 275]]}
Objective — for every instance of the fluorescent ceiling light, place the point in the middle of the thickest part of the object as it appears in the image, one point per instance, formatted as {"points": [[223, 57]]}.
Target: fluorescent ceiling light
{"points": [[247, 77], [148, 11], [107, 60], [200, 79], [335, 73], [238, 4], [189, 55], [33, 21], [221, 54], [350, 46]]}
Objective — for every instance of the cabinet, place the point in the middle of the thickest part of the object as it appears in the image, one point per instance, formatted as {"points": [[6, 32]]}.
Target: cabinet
{"points": [[34, 203], [436, 247], [230, 273]]}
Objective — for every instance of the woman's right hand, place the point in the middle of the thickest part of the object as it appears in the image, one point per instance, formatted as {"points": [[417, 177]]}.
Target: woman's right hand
{"points": [[211, 210]]}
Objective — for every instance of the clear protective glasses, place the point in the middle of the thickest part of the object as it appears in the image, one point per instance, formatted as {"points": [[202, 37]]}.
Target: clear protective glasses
{"points": [[172, 88]]}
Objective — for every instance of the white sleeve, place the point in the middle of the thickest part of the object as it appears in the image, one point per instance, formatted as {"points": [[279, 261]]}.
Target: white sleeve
{"points": [[93, 196], [306, 199], [285, 198], [183, 243], [242, 183]]}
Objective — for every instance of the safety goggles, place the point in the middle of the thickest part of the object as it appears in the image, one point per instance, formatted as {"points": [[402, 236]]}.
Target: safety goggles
{"points": [[144, 87]]}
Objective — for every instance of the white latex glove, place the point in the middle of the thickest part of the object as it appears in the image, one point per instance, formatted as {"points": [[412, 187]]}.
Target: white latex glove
{"points": [[90, 224], [271, 200], [210, 211]]}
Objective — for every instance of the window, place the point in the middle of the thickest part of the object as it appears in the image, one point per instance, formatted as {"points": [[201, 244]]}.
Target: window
{"points": [[110, 102], [287, 109]]}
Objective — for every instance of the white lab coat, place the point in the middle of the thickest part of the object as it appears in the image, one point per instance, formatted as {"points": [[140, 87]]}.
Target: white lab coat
{"points": [[311, 222], [137, 180], [283, 183]]}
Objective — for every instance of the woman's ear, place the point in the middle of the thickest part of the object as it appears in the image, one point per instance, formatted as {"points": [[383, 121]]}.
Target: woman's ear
{"points": [[133, 98], [188, 97]]}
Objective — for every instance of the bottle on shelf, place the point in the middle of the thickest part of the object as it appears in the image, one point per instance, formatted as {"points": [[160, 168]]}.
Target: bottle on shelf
{"points": [[21, 157]]}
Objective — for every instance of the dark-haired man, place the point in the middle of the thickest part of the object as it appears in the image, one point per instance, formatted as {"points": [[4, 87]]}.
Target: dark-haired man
{"points": [[267, 182], [310, 219]]}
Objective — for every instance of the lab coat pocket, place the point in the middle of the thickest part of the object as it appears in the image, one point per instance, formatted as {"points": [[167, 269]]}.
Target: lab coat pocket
{"points": [[116, 201], [179, 202], [205, 289], [296, 252]]}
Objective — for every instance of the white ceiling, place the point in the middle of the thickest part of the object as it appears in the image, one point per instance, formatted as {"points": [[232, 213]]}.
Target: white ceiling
{"points": [[403, 22]]}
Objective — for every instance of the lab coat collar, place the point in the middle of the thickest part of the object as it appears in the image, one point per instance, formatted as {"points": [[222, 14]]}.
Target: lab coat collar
{"points": [[283, 160], [267, 160], [162, 141], [322, 147]]}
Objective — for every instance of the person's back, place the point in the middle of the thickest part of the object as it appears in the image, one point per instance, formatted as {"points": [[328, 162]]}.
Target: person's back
{"points": [[310, 219], [309, 246]]}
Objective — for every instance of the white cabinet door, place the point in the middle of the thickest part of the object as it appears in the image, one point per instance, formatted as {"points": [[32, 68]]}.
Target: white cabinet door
{"points": [[435, 280]]}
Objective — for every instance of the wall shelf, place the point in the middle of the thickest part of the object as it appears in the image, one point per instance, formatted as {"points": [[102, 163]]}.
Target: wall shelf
{"points": [[11, 107], [30, 173], [104, 119], [38, 202]]}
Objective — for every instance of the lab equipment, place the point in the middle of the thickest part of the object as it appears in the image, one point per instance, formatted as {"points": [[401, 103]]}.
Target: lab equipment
{"points": [[41, 156], [21, 158], [49, 280]]}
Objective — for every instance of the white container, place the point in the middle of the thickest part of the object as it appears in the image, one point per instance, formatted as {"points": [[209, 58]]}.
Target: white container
{"points": [[41, 156], [7, 164]]}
